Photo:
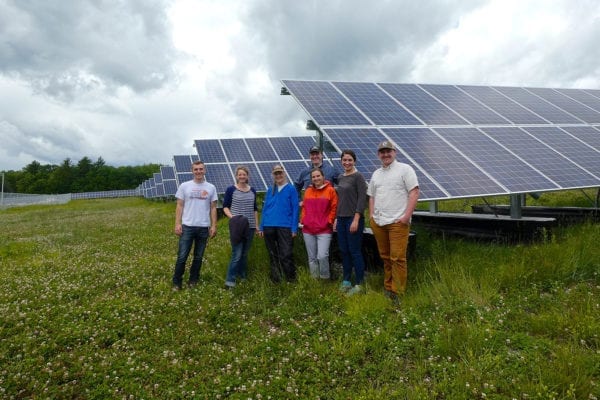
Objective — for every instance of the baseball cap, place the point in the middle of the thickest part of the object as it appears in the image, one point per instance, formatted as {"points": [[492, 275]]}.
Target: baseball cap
{"points": [[314, 149], [386, 144], [277, 168]]}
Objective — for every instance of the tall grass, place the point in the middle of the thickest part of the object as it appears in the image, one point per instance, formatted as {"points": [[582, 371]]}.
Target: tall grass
{"points": [[87, 312]]}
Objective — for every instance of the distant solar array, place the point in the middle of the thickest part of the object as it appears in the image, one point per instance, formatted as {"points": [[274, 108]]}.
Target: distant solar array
{"points": [[222, 156], [464, 141]]}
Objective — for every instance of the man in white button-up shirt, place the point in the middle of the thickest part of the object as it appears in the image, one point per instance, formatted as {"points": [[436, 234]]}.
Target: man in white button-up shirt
{"points": [[393, 193]]}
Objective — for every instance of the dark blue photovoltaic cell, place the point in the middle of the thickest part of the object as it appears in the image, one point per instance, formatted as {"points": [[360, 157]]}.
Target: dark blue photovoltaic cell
{"points": [[184, 177], [582, 97], [236, 150], [325, 104], [209, 151], [503, 105], [182, 163], [261, 149], [542, 108], [586, 134], [167, 172], [375, 104], [580, 111], [157, 177], [420, 103], [454, 173], [593, 92], [286, 149], [568, 146], [304, 143], [547, 161], [294, 168], [465, 105], [160, 190], [170, 187], [364, 143], [504, 166], [219, 175]]}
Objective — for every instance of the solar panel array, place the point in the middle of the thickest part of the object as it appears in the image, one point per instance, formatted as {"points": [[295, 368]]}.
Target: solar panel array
{"points": [[464, 141], [223, 156]]}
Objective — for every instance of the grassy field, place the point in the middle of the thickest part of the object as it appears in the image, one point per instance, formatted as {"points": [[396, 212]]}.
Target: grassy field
{"points": [[87, 312]]}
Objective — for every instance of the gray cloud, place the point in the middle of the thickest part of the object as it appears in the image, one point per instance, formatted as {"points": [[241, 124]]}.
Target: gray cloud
{"points": [[105, 78], [68, 49]]}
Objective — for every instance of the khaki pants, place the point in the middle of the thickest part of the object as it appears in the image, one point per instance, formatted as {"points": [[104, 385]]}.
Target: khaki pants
{"points": [[392, 243]]}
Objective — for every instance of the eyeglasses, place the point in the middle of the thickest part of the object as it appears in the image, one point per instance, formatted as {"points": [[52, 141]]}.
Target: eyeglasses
{"points": [[277, 172]]}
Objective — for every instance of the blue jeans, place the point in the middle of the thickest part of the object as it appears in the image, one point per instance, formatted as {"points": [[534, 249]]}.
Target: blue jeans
{"points": [[279, 242], [191, 235], [238, 266], [350, 245]]}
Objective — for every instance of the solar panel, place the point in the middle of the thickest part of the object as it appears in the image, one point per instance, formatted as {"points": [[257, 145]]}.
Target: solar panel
{"points": [[465, 105], [566, 145], [210, 151], [462, 140], [546, 160], [286, 149], [496, 160], [379, 107], [450, 170], [167, 172], [322, 101], [364, 141], [574, 108], [236, 150], [170, 187], [502, 105], [423, 105], [540, 107], [261, 149], [586, 134], [182, 163], [583, 97]]}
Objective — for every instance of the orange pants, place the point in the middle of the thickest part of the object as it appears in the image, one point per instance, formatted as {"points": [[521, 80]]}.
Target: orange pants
{"points": [[392, 242]]}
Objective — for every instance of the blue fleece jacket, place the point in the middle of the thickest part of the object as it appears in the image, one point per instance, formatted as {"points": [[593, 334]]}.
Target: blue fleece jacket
{"points": [[280, 209]]}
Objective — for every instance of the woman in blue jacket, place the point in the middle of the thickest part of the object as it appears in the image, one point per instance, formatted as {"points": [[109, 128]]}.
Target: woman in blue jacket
{"points": [[279, 225]]}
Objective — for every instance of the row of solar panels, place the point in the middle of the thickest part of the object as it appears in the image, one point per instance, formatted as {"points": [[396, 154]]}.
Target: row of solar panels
{"points": [[463, 141], [394, 104], [222, 156]]}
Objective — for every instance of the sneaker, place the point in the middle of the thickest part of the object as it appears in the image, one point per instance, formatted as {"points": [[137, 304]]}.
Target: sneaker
{"points": [[176, 288], [355, 290], [345, 286], [192, 285]]}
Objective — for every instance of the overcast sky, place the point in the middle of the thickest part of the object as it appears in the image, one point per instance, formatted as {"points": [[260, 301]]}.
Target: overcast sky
{"points": [[135, 82]]}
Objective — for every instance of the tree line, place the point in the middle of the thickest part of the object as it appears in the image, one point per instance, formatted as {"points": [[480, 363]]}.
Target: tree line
{"points": [[69, 177]]}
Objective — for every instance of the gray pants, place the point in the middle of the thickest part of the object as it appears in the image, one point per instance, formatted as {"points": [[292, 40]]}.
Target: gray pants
{"points": [[317, 247]]}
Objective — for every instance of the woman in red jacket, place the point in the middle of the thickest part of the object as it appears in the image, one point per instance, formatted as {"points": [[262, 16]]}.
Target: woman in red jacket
{"points": [[317, 217]]}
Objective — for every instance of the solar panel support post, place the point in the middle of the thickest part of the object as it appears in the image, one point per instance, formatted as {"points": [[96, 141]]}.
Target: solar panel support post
{"points": [[433, 207], [516, 211]]}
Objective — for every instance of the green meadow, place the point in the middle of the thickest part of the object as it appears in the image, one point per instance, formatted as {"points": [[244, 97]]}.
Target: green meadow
{"points": [[87, 312]]}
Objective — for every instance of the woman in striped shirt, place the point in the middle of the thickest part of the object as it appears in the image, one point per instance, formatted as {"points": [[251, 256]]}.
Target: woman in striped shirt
{"points": [[239, 205]]}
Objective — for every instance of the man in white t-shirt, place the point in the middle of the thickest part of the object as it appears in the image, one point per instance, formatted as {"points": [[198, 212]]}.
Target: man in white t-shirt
{"points": [[195, 223], [393, 193]]}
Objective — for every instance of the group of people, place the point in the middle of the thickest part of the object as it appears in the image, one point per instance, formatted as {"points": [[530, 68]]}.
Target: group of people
{"points": [[332, 201]]}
